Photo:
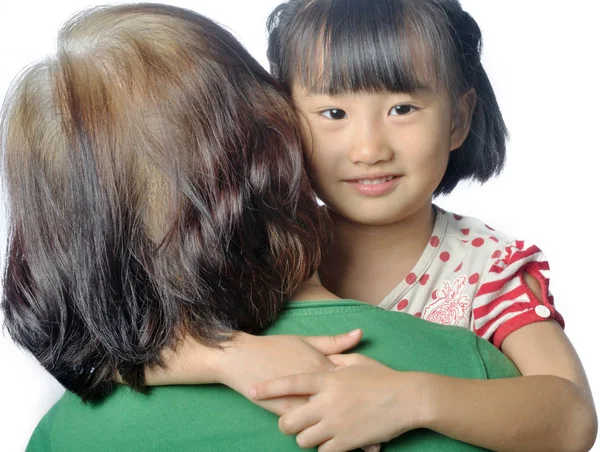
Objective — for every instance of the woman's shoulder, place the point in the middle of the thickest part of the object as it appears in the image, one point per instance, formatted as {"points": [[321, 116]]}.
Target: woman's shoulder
{"points": [[40, 438]]}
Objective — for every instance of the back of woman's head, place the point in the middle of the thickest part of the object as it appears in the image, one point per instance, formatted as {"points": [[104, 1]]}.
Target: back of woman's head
{"points": [[341, 46], [156, 186]]}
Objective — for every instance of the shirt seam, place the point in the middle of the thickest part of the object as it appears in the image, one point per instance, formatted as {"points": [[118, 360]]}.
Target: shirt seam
{"points": [[440, 229]]}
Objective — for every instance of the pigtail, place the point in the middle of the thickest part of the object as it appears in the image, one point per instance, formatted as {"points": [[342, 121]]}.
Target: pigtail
{"points": [[274, 49], [483, 153]]}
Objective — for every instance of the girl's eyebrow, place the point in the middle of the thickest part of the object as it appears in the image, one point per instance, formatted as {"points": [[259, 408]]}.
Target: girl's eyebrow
{"points": [[419, 91]]}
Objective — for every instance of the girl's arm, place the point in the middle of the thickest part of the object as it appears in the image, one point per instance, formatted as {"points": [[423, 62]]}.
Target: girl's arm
{"points": [[364, 402], [549, 408], [247, 359]]}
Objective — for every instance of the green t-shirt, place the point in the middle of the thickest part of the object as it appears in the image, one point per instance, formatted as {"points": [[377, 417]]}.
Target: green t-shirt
{"points": [[215, 418]]}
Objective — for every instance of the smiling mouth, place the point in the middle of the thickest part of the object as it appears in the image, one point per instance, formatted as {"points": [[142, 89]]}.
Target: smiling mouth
{"points": [[374, 187], [380, 180]]}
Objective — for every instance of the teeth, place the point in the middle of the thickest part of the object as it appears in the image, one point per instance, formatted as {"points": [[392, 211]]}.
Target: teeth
{"points": [[375, 181]]}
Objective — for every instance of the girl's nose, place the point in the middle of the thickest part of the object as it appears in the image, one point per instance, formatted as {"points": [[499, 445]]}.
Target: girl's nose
{"points": [[370, 147]]}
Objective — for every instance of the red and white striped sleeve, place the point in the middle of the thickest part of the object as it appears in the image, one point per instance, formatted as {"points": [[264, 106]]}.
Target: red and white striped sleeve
{"points": [[504, 302]]}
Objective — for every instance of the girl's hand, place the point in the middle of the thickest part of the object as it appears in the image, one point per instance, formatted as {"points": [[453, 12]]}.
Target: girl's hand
{"points": [[247, 360], [252, 359], [362, 402]]}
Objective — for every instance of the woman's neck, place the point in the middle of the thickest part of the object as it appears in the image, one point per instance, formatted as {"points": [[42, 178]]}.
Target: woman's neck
{"points": [[313, 290], [366, 262]]}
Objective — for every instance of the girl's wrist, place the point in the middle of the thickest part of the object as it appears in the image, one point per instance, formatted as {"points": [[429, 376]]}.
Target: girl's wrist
{"points": [[222, 362], [423, 387], [193, 363], [432, 411]]}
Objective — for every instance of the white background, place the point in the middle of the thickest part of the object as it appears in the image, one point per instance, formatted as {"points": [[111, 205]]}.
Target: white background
{"points": [[542, 58]]}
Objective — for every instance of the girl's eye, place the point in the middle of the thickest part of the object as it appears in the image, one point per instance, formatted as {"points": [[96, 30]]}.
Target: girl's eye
{"points": [[334, 113], [401, 110]]}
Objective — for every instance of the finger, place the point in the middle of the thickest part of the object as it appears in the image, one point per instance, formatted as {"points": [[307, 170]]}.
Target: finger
{"points": [[372, 448], [334, 344], [351, 359], [312, 436], [335, 445], [299, 384], [283, 405], [299, 420], [332, 445]]}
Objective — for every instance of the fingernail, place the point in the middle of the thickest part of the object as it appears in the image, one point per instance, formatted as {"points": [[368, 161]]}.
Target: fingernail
{"points": [[354, 332]]}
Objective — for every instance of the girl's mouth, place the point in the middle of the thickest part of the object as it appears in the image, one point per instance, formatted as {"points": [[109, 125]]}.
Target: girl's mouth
{"points": [[373, 187]]}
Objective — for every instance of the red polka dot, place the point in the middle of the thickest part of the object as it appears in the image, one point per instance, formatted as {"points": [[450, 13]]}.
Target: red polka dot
{"points": [[434, 241], [477, 242], [458, 268], [434, 294], [489, 227], [474, 278], [465, 231], [402, 305], [458, 217], [494, 239], [445, 256], [418, 314], [465, 241], [496, 254], [411, 278], [424, 279]]}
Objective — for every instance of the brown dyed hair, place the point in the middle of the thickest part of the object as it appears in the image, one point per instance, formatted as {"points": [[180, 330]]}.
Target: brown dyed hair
{"points": [[156, 185]]}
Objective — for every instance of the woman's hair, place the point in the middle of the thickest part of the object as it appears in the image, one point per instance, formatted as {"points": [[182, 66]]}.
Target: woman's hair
{"points": [[155, 187], [339, 46]]}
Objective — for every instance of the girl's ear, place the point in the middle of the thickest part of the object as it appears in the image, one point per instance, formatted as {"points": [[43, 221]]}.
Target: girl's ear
{"points": [[461, 124]]}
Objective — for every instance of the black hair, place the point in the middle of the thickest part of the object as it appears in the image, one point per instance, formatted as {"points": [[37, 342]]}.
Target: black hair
{"points": [[396, 46]]}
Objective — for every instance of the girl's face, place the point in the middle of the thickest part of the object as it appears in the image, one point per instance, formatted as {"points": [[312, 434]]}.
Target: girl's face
{"points": [[376, 158]]}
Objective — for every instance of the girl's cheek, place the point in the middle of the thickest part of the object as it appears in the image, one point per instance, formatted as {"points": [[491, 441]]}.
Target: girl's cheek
{"points": [[317, 162], [322, 163]]}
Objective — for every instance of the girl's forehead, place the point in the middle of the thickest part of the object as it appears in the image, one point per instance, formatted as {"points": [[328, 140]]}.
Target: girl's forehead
{"points": [[336, 78], [328, 67], [347, 46]]}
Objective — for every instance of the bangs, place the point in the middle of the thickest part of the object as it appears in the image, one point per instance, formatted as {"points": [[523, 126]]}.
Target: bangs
{"points": [[343, 46]]}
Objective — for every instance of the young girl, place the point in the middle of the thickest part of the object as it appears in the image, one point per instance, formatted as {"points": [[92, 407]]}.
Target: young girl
{"points": [[398, 109]]}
